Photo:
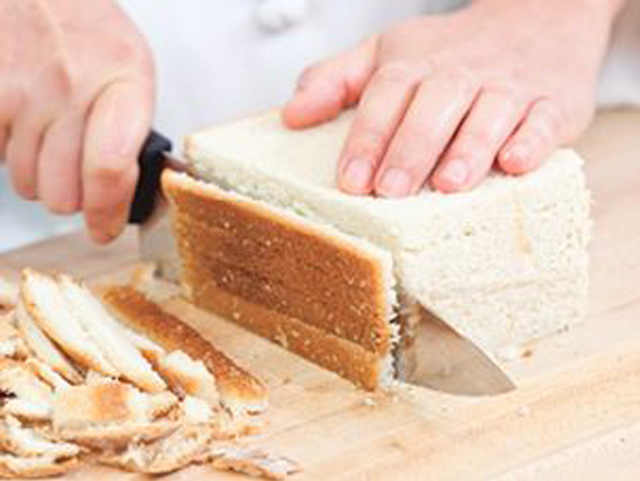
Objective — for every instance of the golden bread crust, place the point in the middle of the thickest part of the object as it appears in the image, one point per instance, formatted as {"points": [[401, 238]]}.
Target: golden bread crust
{"points": [[314, 293], [167, 330]]}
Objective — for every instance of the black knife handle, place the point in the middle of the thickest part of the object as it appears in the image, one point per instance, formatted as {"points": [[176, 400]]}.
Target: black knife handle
{"points": [[150, 163]]}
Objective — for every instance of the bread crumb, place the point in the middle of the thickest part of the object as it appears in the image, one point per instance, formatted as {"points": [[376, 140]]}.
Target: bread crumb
{"points": [[144, 275], [510, 352], [369, 401]]}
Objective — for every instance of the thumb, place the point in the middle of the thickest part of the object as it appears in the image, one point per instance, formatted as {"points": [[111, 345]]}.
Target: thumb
{"points": [[328, 87]]}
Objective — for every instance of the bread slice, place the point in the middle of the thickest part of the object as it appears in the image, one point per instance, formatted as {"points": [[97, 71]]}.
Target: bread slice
{"points": [[189, 377], [45, 302], [107, 415], [30, 397], [111, 339], [161, 404], [46, 373], [149, 349], [251, 461], [43, 348], [194, 410], [324, 295], [24, 441], [12, 466], [239, 390], [102, 403], [11, 343], [502, 264], [177, 450]]}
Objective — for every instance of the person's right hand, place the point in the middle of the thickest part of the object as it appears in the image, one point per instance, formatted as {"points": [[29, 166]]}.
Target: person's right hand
{"points": [[76, 102]]}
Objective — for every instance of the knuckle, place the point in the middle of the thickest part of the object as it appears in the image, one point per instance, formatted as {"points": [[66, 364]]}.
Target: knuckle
{"points": [[147, 66], [553, 113], [539, 132], [506, 92], [475, 139], [111, 171], [126, 51], [464, 83], [519, 74], [412, 134], [459, 79], [546, 123], [397, 73], [369, 139], [13, 99], [412, 140], [135, 52], [61, 78], [308, 75]]}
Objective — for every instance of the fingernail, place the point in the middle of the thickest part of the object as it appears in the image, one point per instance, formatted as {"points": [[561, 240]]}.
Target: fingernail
{"points": [[455, 174], [357, 175], [395, 183], [518, 159]]}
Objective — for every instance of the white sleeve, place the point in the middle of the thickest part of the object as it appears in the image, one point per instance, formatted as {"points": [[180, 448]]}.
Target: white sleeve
{"points": [[620, 79]]}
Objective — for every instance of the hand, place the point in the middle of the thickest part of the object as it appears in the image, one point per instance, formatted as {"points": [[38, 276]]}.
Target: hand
{"points": [[76, 101], [442, 98]]}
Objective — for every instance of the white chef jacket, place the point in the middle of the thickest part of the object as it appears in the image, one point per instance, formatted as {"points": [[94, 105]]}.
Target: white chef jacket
{"points": [[219, 59]]}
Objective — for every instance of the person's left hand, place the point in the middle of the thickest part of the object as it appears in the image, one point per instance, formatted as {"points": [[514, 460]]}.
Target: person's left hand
{"points": [[441, 98]]}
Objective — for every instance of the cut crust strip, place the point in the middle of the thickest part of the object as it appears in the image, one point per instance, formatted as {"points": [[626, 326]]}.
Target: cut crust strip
{"points": [[239, 390]]}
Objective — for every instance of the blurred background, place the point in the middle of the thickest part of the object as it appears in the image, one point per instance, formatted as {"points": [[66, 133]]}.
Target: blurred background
{"points": [[218, 60]]}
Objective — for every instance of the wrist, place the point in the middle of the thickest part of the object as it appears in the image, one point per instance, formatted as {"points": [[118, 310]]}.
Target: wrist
{"points": [[606, 10]]}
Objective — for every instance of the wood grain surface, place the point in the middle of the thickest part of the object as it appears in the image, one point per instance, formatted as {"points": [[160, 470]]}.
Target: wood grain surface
{"points": [[575, 415]]}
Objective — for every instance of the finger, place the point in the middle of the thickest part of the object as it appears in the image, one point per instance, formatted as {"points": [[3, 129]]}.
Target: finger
{"points": [[11, 104], [4, 135], [22, 155], [118, 124], [325, 89], [492, 119], [439, 106], [59, 164], [381, 109], [537, 136]]}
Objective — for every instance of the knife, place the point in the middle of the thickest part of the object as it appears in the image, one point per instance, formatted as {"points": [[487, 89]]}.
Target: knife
{"points": [[439, 357], [154, 156]]}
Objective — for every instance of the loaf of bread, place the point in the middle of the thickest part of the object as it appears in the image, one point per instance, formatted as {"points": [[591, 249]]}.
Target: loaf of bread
{"points": [[265, 238]]}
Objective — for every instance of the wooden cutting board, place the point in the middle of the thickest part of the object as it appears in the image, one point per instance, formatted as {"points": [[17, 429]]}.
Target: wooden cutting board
{"points": [[576, 414]]}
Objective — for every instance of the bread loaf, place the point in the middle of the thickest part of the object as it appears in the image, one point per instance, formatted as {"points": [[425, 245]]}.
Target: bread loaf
{"points": [[266, 238]]}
